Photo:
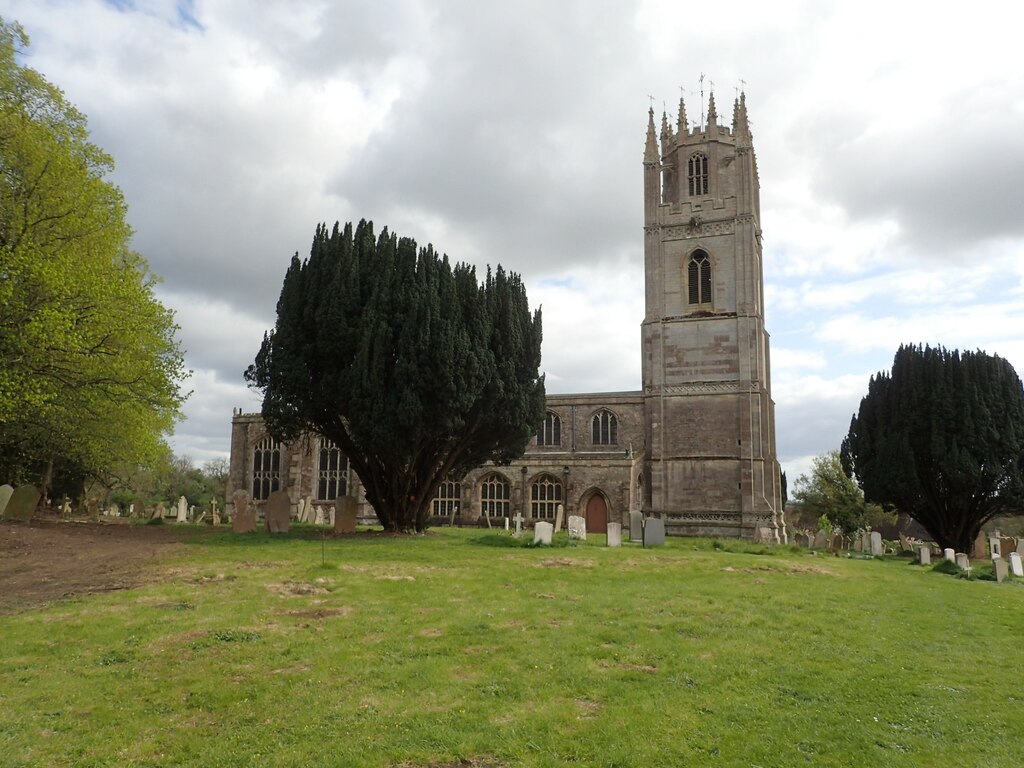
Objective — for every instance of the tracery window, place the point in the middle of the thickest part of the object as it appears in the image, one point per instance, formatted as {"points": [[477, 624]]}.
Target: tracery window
{"points": [[266, 468], [332, 472], [545, 496], [495, 493], [698, 278], [697, 173], [604, 428], [550, 432], [447, 498]]}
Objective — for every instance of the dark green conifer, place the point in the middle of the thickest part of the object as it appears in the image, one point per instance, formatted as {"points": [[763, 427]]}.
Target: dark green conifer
{"points": [[415, 369]]}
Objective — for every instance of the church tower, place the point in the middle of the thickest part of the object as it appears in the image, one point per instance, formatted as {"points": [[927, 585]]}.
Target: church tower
{"points": [[710, 465]]}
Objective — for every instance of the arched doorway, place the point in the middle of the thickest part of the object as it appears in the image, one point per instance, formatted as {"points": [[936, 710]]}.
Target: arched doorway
{"points": [[597, 514]]}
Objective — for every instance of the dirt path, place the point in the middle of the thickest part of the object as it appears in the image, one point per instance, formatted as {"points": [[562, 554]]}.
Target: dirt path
{"points": [[46, 560]]}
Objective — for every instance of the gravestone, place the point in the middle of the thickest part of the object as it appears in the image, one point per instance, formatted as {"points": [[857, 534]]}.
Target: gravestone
{"points": [[614, 534], [542, 533], [1016, 567], [636, 526], [319, 520], [999, 569], [345, 514], [310, 517], [278, 512], [455, 511], [331, 516], [244, 518], [1007, 545], [506, 522], [1020, 546], [161, 511], [560, 517], [876, 543], [65, 508], [949, 554], [201, 518], [654, 532], [924, 554], [22, 503], [300, 511], [6, 491], [963, 560], [182, 510], [905, 544], [577, 527], [216, 518], [820, 540], [213, 508], [115, 510], [858, 544], [995, 546], [980, 549], [865, 541], [518, 520]]}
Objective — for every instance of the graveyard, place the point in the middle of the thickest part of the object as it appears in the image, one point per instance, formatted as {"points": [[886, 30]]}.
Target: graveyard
{"points": [[182, 644]]}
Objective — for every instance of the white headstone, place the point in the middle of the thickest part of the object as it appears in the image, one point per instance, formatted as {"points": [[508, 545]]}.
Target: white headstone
{"points": [[995, 546], [506, 522], [319, 516], [924, 554], [577, 527], [182, 510], [636, 526], [559, 517], [1015, 564], [542, 533], [519, 520], [876, 543], [614, 534], [963, 560], [949, 554]]}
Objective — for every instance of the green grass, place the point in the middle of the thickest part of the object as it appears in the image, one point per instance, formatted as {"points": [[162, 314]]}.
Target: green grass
{"points": [[452, 647]]}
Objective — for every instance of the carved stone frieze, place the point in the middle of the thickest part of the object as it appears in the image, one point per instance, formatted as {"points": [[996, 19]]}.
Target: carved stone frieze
{"points": [[698, 228]]}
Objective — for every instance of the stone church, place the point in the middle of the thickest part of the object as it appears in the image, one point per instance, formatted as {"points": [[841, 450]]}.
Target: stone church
{"points": [[696, 445]]}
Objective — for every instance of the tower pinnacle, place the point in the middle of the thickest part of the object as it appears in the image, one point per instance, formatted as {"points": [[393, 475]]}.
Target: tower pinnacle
{"points": [[651, 150]]}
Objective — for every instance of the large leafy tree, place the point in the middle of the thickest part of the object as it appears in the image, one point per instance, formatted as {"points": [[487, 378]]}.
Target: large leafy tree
{"points": [[941, 438], [90, 370], [415, 369], [828, 491]]}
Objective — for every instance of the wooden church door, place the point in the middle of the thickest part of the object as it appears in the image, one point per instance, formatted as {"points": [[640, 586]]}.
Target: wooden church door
{"points": [[597, 514]]}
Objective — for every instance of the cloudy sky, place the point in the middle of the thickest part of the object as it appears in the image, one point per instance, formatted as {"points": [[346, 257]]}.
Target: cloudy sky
{"points": [[889, 135]]}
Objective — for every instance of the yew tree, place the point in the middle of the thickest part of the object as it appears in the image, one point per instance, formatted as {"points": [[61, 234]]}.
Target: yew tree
{"points": [[416, 370], [941, 437]]}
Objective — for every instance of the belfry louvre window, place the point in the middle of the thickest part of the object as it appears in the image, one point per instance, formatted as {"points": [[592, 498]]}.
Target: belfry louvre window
{"points": [[494, 496], [332, 472], [550, 432], [604, 428], [698, 278], [545, 496], [697, 173], [266, 468], [447, 499]]}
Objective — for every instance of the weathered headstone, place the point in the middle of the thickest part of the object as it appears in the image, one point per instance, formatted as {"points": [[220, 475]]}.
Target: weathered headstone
{"points": [[906, 545], [542, 533], [213, 508], [1016, 567], [636, 526], [560, 517], [115, 510], [995, 545], [1020, 546], [924, 554], [876, 543], [1007, 544], [65, 508], [577, 527], [654, 532], [201, 518], [345, 514], [22, 503], [518, 520], [980, 548], [865, 541], [300, 511], [949, 554], [161, 511], [182, 510], [858, 544], [244, 518], [278, 512], [820, 540], [6, 491], [506, 522], [319, 519], [614, 534], [963, 560], [999, 569]]}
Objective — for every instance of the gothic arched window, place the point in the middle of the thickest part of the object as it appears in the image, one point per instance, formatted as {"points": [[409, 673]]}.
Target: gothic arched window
{"points": [[550, 432], [266, 468], [604, 428], [545, 496], [332, 472], [698, 278], [697, 173], [494, 496], [447, 498]]}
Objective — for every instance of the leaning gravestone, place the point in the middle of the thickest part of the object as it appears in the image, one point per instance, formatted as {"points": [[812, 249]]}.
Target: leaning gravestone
{"points": [[924, 554], [559, 517], [6, 491], [278, 513], [654, 532], [23, 503], [244, 518], [542, 533], [876, 543], [1016, 567], [345, 514], [999, 569], [636, 526], [577, 527], [614, 534]]}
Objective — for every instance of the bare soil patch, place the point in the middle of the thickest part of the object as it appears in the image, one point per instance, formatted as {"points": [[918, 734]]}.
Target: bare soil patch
{"points": [[47, 560]]}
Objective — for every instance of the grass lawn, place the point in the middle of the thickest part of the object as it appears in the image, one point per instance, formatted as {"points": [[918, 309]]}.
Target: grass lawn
{"points": [[454, 649]]}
